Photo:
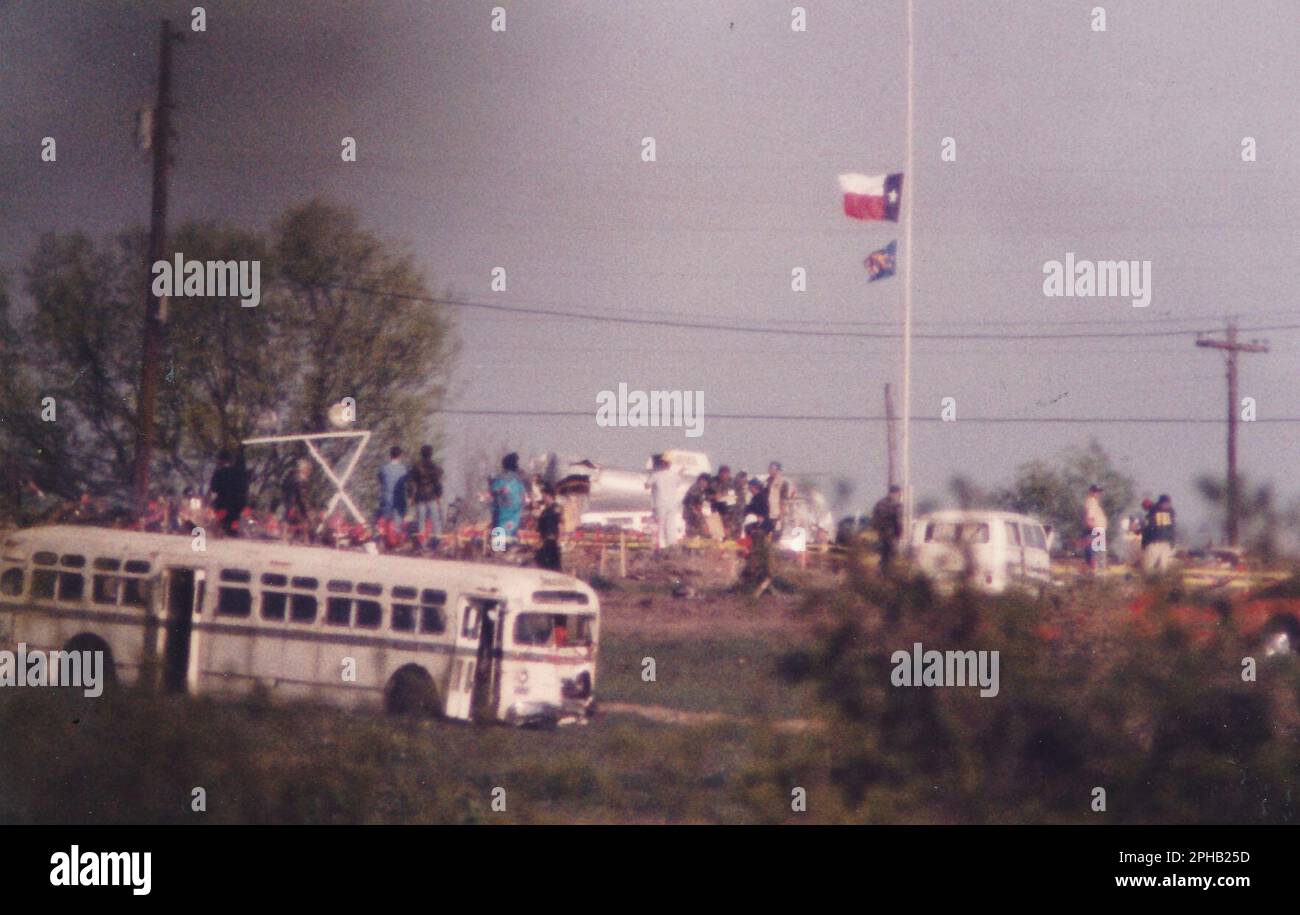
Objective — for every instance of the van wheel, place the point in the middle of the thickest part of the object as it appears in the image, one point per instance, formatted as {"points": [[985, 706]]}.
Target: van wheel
{"points": [[1281, 637], [411, 691], [87, 642]]}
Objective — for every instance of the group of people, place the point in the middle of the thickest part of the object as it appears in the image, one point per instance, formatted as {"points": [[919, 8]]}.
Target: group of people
{"points": [[401, 488], [1152, 532], [717, 506]]}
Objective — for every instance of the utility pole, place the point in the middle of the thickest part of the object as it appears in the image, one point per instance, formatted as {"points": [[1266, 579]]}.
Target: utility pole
{"points": [[154, 310], [890, 443], [1231, 348]]}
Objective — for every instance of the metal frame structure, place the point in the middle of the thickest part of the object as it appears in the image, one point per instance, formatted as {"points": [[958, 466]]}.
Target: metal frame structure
{"points": [[339, 480]]}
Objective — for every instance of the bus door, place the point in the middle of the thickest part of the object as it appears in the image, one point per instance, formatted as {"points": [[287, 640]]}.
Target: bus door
{"points": [[184, 589], [466, 653]]}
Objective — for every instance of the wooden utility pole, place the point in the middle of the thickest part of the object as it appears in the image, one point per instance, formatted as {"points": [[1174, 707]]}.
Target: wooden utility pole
{"points": [[154, 313], [1231, 348], [891, 444]]}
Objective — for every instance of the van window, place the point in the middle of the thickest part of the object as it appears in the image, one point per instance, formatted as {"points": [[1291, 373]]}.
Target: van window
{"points": [[951, 532], [1034, 536], [1013, 533], [11, 582]]}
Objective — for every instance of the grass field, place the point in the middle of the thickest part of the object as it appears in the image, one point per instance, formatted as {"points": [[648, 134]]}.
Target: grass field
{"points": [[1087, 700]]}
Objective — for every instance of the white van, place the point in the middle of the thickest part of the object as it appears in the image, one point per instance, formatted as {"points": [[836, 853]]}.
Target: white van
{"points": [[1004, 548]]}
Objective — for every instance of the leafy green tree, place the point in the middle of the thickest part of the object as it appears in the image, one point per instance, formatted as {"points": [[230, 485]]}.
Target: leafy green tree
{"points": [[341, 315], [1055, 493]]}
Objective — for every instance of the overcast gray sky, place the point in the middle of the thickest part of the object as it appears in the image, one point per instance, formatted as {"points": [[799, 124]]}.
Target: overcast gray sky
{"points": [[522, 149]]}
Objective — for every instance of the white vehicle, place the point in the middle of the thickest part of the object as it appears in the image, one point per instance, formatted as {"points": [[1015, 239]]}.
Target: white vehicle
{"points": [[467, 641], [1003, 548]]}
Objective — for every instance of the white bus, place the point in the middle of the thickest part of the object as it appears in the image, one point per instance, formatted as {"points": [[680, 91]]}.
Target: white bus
{"points": [[469, 641]]}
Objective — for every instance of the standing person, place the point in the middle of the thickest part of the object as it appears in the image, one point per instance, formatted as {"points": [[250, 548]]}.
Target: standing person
{"points": [[742, 499], [508, 492], [693, 504], [757, 517], [1094, 528], [778, 496], [548, 528], [426, 489], [392, 496], [1158, 554], [293, 492], [666, 485], [228, 492], [887, 522], [724, 498]]}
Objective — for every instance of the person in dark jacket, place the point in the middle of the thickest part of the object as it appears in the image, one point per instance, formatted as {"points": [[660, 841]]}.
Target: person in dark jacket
{"points": [[548, 528], [887, 522], [425, 480], [1158, 554], [293, 492], [228, 491]]}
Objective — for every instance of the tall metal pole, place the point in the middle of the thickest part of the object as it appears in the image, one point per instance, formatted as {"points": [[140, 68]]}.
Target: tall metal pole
{"points": [[909, 191], [890, 444], [146, 403], [1231, 347]]}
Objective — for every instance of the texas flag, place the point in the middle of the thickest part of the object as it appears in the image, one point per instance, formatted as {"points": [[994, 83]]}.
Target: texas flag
{"points": [[872, 196]]}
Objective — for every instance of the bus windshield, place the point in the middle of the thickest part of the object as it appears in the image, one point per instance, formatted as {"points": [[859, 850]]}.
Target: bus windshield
{"points": [[559, 630]]}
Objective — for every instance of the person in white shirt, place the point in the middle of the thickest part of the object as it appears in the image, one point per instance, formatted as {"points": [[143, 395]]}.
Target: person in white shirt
{"points": [[1094, 528], [667, 486]]}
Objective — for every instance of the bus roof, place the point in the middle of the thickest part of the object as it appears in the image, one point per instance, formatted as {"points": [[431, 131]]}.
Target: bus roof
{"points": [[314, 560]]}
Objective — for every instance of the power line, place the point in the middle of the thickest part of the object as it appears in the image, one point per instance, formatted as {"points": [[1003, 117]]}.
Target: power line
{"points": [[969, 420], [679, 325]]}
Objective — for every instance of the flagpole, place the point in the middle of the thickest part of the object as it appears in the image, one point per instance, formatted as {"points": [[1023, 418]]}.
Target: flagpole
{"points": [[909, 192]]}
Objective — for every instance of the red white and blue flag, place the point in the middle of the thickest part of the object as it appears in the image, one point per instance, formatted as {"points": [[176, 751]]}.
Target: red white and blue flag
{"points": [[880, 264], [872, 196]]}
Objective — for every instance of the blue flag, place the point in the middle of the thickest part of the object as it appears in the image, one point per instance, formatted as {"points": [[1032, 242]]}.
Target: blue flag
{"points": [[880, 264]]}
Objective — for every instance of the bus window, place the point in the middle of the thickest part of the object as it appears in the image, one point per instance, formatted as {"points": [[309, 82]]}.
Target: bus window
{"points": [[560, 597], [564, 631], [432, 617], [370, 613], [534, 628], [234, 601], [272, 580], [137, 567], [45, 558], [11, 582], [243, 576], [107, 565], [71, 586], [338, 610], [274, 604], [403, 617], [43, 584], [369, 588], [73, 561], [135, 592], [302, 607], [105, 588], [339, 587], [310, 584]]}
